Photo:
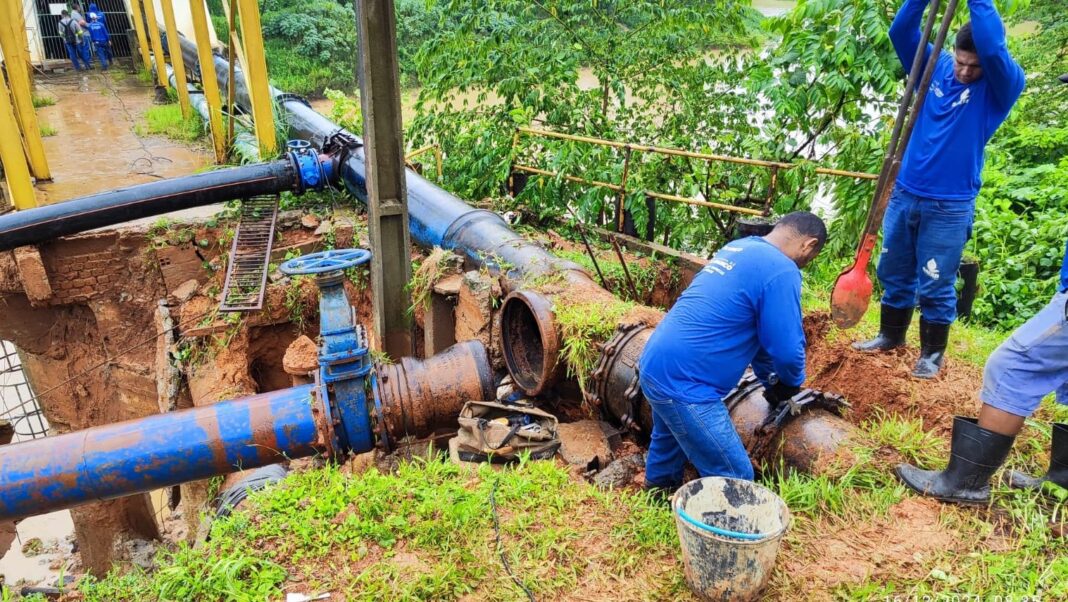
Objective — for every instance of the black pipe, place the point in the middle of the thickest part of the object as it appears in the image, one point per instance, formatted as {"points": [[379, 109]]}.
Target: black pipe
{"points": [[41, 224]]}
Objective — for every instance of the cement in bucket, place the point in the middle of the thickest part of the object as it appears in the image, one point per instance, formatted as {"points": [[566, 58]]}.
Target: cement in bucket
{"points": [[730, 531]]}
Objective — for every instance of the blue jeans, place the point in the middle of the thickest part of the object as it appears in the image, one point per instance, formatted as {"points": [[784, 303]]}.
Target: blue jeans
{"points": [[74, 51], [1031, 363], [701, 432], [103, 52], [923, 240]]}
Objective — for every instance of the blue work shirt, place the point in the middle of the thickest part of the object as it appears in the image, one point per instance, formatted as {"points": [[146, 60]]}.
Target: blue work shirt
{"points": [[944, 157], [98, 32], [743, 308], [1064, 270]]}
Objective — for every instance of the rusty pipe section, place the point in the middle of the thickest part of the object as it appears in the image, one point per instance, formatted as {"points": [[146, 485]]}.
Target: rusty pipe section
{"points": [[158, 451], [807, 442], [419, 396]]}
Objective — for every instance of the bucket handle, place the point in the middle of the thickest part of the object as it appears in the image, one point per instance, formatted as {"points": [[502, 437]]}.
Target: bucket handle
{"points": [[717, 530]]}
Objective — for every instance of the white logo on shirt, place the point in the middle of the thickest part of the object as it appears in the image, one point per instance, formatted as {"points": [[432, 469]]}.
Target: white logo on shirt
{"points": [[964, 98], [719, 265], [937, 89], [931, 269]]}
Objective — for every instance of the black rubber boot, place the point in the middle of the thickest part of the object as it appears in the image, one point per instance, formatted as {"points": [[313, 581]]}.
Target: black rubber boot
{"points": [[893, 324], [1058, 463], [933, 339], [975, 455]]}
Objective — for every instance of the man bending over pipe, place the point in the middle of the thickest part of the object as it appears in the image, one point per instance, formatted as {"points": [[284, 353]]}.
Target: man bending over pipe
{"points": [[743, 308], [1029, 365], [929, 218]]}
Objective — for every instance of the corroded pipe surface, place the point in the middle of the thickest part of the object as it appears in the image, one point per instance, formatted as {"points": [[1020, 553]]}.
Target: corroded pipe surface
{"points": [[149, 453], [807, 442], [419, 396]]}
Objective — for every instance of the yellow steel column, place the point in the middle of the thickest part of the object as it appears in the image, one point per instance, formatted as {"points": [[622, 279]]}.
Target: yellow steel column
{"points": [[208, 78], [12, 157], [142, 37], [174, 44], [13, 44], [256, 77], [157, 45]]}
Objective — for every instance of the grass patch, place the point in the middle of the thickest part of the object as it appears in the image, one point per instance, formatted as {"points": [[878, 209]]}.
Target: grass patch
{"points": [[423, 533], [43, 101], [642, 273], [46, 130], [145, 76], [167, 120], [583, 325]]}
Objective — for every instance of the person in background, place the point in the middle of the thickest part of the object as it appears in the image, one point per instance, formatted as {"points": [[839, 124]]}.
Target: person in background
{"points": [[72, 34], [78, 15], [98, 33], [742, 309], [929, 218]]}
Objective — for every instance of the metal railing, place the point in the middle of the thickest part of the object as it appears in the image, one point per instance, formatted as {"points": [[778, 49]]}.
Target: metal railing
{"points": [[17, 402], [773, 167]]}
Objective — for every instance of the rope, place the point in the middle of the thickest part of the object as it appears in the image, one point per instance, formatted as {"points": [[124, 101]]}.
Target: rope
{"points": [[500, 546]]}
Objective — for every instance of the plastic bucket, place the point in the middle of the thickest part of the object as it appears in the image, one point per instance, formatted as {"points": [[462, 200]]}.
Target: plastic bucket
{"points": [[730, 531]]}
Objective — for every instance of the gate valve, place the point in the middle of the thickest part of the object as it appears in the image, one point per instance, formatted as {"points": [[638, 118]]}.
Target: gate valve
{"points": [[313, 171]]}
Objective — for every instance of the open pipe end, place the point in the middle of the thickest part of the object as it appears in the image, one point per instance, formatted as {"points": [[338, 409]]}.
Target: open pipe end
{"points": [[530, 341]]}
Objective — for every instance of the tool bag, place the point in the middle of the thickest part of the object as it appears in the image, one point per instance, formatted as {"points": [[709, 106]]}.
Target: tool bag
{"points": [[500, 433]]}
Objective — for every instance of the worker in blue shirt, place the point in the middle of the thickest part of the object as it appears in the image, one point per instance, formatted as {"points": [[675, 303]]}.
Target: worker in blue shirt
{"points": [[742, 309], [929, 217], [1030, 364], [98, 33]]}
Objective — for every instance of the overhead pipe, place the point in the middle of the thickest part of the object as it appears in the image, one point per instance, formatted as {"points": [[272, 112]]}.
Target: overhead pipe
{"points": [[353, 407]]}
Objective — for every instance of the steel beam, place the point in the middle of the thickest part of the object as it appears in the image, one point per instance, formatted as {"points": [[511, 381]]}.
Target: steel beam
{"points": [[157, 45], [387, 197], [207, 77], [142, 36], [174, 47], [16, 172], [255, 67], [16, 59]]}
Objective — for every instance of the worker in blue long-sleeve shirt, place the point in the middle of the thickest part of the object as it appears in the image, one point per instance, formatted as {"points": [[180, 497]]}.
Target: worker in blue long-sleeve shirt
{"points": [[98, 33], [743, 308], [929, 218]]}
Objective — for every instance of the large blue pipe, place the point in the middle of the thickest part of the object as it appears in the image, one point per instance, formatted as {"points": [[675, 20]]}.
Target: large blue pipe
{"points": [[158, 451]]}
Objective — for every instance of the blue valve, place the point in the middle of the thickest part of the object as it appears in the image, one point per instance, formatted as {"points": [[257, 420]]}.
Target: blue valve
{"points": [[313, 173], [335, 260]]}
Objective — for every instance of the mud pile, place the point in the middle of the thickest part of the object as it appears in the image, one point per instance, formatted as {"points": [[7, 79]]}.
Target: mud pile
{"points": [[882, 382]]}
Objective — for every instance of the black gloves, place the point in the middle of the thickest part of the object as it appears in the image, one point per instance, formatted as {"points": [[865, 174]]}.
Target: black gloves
{"points": [[778, 393]]}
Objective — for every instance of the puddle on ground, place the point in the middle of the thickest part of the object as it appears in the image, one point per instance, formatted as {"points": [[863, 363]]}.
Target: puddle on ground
{"points": [[95, 147]]}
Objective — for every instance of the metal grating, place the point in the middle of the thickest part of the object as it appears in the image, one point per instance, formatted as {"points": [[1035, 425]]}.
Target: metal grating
{"points": [[250, 255], [17, 403]]}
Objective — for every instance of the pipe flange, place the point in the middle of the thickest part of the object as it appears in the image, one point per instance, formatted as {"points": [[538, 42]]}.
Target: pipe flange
{"points": [[384, 442], [327, 441], [285, 97], [619, 402]]}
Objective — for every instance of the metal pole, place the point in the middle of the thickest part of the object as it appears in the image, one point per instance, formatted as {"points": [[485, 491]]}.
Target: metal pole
{"points": [[391, 264], [232, 46], [174, 47], [255, 67], [208, 78], [12, 158], [142, 36], [157, 45], [622, 195], [16, 59]]}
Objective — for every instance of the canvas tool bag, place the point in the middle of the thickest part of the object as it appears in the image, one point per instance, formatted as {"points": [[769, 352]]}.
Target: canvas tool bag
{"points": [[500, 432]]}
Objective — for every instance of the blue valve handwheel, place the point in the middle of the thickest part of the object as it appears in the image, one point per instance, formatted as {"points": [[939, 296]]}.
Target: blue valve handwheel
{"points": [[325, 261]]}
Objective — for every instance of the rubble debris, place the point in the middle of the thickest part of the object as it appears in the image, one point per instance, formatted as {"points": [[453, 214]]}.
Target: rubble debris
{"points": [[620, 473], [584, 444], [302, 357]]}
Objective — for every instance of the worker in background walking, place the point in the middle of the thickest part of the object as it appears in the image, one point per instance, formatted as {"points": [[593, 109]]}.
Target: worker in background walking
{"points": [[98, 32], [929, 218], [79, 17], [742, 309], [1030, 364], [72, 34]]}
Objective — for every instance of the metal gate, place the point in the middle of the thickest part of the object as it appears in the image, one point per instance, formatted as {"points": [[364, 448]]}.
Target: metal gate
{"points": [[115, 18], [17, 404]]}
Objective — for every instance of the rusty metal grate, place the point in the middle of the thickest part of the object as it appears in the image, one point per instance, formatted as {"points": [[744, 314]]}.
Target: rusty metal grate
{"points": [[246, 276], [17, 402]]}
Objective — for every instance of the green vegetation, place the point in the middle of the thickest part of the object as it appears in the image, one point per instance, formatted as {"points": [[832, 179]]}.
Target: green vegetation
{"points": [[46, 130], [43, 101], [583, 325], [167, 120]]}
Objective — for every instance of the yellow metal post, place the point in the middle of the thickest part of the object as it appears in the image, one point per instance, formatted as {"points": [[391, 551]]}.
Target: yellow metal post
{"points": [[13, 44], [256, 77], [157, 45], [142, 37], [208, 77], [16, 172], [174, 45]]}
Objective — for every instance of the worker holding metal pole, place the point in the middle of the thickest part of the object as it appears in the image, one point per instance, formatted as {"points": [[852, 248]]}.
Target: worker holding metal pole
{"points": [[742, 309], [929, 218]]}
